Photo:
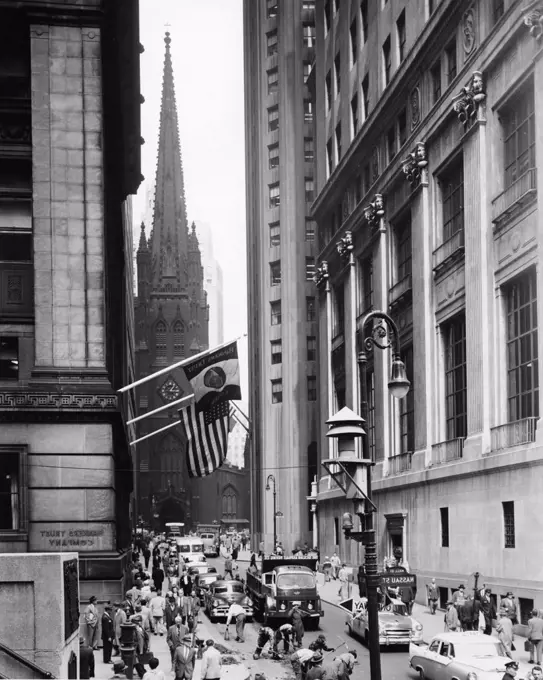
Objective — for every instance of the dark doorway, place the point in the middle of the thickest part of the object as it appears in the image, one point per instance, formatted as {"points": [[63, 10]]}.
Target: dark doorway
{"points": [[171, 511], [443, 597]]}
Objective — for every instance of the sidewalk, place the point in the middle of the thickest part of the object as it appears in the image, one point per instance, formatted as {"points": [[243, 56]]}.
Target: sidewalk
{"points": [[432, 624]]}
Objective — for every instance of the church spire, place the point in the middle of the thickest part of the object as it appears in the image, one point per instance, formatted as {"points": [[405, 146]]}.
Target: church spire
{"points": [[142, 246], [170, 233]]}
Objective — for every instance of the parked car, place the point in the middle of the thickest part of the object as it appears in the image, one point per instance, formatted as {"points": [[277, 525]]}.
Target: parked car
{"points": [[221, 595], [396, 627], [462, 656], [202, 582], [195, 569]]}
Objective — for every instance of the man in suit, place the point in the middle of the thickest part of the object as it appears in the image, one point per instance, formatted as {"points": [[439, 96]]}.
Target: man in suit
{"points": [[183, 659], [86, 660], [535, 636], [170, 612], [108, 633], [118, 619], [176, 633]]}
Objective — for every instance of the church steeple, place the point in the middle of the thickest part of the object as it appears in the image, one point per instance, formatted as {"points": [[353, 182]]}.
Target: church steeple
{"points": [[169, 243]]}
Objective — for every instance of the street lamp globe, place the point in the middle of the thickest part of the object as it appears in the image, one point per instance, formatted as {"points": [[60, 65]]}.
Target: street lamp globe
{"points": [[398, 384]]}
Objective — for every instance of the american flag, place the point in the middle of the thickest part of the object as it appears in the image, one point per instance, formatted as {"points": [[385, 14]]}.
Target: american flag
{"points": [[207, 437]]}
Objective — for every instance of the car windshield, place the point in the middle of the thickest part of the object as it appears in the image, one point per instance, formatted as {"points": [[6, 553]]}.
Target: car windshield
{"points": [[399, 609], [480, 650], [184, 548], [234, 588], [295, 581], [197, 548]]}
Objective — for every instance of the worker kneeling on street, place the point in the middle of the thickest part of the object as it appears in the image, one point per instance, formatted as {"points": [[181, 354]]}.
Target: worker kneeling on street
{"points": [[265, 636], [300, 662], [285, 634]]}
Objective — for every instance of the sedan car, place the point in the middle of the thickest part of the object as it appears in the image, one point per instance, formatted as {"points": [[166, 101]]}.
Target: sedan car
{"points": [[203, 582], [195, 569], [462, 656], [396, 627], [221, 595]]}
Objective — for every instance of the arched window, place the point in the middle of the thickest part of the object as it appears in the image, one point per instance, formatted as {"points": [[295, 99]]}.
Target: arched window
{"points": [[178, 340], [229, 503], [160, 339]]}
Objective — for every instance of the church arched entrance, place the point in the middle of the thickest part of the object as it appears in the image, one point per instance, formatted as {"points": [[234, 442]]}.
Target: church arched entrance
{"points": [[170, 511]]}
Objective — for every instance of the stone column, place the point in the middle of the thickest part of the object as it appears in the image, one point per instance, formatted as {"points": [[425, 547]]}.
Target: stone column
{"points": [[345, 249], [323, 284], [67, 196]]}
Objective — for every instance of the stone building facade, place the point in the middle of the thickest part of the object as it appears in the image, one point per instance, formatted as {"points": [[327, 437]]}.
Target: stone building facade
{"points": [[428, 208], [69, 159]]}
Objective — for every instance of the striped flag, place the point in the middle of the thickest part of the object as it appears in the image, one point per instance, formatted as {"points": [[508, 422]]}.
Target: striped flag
{"points": [[206, 423]]}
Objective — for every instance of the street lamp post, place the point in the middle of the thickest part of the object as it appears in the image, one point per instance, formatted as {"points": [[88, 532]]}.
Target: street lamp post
{"points": [[271, 478]]}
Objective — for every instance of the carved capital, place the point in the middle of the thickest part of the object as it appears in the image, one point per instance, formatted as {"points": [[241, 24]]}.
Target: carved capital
{"points": [[415, 164], [468, 104], [345, 246], [534, 20], [374, 211], [321, 275]]}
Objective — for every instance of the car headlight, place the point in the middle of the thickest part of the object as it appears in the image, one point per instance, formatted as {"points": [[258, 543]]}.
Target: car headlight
{"points": [[270, 602], [417, 627], [310, 605], [282, 606], [248, 602], [382, 630], [472, 676], [216, 603]]}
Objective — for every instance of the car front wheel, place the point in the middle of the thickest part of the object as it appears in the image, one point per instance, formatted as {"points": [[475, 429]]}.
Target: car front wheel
{"points": [[421, 674]]}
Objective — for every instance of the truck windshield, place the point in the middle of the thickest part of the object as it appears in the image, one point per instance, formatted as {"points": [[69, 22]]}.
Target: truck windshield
{"points": [[295, 581]]}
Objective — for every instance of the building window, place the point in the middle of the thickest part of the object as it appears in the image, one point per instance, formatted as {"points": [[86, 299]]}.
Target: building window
{"points": [[309, 149], [407, 407], [354, 41], [328, 91], [9, 358], [337, 73], [400, 28], [508, 524], [444, 515], [311, 348], [275, 273], [307, 70], [309, 190], [452, 194], [338, 141], [364, 19], [329, 157], [336, 531], [402, 127], [309, 230], [366, 285], [387, 63], [435, 77], [311, 312], [275, 308], [370, 425], [160, 340], [522, 351], [308, 4], [275, 234], [391, 143], [497, 10], [13, 487], [309, 268], [311, 388], [273, 155], [339, 310], [518, 122], [366, 95], [272, 8], [455, 378], [277, 391], [276, 351], [308, 110], [273, 80], [354, 114], [403, 249], [273, 118], [451, 62], [309, 35], [275, 198], [271, 39], [327, 16], [178, 339]]}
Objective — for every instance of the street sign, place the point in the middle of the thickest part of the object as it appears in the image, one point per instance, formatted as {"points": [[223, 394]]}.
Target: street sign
{"points": [[394, 580]]}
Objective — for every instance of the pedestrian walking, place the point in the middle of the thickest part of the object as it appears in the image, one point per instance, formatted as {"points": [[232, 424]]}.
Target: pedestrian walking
{"points": [[505, 633], [86, 660], [155, 673], [211, 662], [91, 623], [146, 556], [336, 564], [433, 596], [295, 617], [535, 637], [299, 661], [452, 622], [176, 633], [108, 633], [344, 585], [119, 618], [171, 611], [228, 567], [158, 578], [157, 605], [237, 613], [361, 579], [488, 610], [509, 607], [183, 659], [261, 549], [253, 568], [459, 596], [142, 645], [466, 614]]}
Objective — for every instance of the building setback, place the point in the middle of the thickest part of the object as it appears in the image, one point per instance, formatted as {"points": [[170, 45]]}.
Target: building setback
{"points": [[278, 47], [428, 139], [69, 158]]}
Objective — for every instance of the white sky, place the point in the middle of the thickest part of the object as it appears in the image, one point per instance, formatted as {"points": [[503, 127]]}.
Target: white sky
{"points": [[207, 55]]}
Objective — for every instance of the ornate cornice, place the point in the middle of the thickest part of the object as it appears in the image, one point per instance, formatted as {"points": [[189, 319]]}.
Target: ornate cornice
{"points": [[416, 164], [534, 20], [375, 211], [321, 275], [53, 401], [468, 104], [345, 246]]}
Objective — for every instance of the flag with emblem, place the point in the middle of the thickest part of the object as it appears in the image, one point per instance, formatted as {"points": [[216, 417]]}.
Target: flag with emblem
{"points": [[206, 422]]}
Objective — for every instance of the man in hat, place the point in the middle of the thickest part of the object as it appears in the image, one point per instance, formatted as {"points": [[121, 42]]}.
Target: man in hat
{"points": [[433, 596], [142, 644], [488, 609], [183, 659], [211, 662], [118, 619], [176, 633], [315, 671], [459, 597], [300, 661], [509, 606], [452, 621], [91, 623], [108, 633], [511, 668], [86, 660]]}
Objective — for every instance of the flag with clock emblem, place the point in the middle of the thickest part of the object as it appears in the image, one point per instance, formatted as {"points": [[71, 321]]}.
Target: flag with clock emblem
{"points": [[206, 422]]}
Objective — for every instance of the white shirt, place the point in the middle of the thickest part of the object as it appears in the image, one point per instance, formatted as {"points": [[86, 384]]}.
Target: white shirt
{"points": [[211, 663], [157, 674], [235, 610], [303, 655]]}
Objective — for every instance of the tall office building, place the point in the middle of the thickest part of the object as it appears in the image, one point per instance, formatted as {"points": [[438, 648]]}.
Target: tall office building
{"points": [[428, 142], [213, 283], [278, 46]]}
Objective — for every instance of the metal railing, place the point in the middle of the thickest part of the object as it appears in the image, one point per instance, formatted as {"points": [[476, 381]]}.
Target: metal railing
{"points": [[399, 289], [513, 434], [400, 463], [14, 665], [451, 246], [524, 185], [444, 452]]}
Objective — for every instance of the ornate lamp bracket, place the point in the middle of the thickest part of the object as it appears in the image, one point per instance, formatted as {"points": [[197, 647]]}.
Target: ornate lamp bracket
{"points": [[321, 275], [375, 211], [534, 20], [415, 166], [345, 246], [469, 103]]}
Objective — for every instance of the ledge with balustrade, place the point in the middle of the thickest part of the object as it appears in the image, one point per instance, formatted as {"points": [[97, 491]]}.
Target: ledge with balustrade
{"points": [[521, 193], [512, 434], [448, 252]]}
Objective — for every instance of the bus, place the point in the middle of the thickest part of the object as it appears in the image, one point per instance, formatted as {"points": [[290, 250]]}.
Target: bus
{"points": [[174, 529]]}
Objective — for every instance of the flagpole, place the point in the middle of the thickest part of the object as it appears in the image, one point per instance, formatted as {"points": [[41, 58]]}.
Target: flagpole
{"points": [[242, 413], [179, 364], [239, 421], [161, 408], [152, 434]]}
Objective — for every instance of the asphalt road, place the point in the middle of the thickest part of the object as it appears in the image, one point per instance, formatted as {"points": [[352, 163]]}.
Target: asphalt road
{"points": [[394, 662]]}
